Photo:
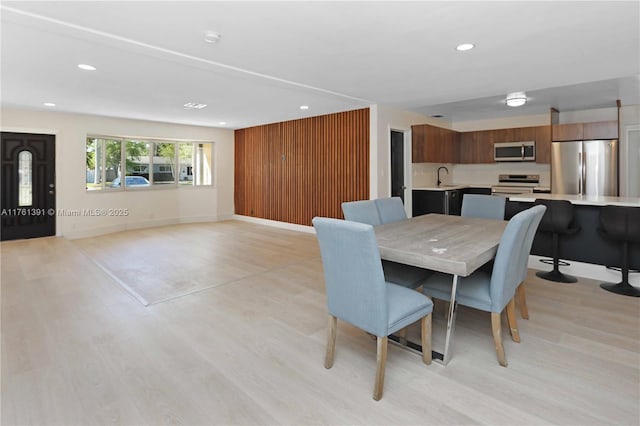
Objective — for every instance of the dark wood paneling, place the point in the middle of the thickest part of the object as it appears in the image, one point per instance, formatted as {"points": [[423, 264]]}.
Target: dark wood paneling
{"points": [[295, 170]]}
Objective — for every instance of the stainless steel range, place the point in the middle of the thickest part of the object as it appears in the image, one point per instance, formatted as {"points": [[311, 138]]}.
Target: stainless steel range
{"points": [[515, 184]]}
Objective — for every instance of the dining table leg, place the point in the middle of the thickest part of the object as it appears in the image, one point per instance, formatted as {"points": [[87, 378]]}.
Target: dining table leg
{"points": [[451, 321]]}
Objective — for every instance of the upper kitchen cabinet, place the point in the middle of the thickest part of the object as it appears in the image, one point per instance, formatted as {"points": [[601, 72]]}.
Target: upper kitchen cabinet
{"points": [[431, 144], [477, 147], [585, 131], [601, 130], [543, 144], [567, 132]]}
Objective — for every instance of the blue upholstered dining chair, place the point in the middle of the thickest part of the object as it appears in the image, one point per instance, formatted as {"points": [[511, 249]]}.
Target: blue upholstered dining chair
{"points": [[366, 211], [493, 207], [391, 209], [521, 294], [358, 294], [483, 206], [495, 291]]}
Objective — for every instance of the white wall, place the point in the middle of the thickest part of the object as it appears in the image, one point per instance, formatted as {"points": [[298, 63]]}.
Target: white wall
{"points": [[146, 208]]}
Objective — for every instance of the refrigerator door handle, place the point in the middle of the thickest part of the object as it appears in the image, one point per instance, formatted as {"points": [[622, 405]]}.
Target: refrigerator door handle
{"points": [[580, 173]]}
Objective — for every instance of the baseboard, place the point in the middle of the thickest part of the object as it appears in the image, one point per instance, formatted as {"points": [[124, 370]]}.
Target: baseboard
{"points": [[586, 270], [276, 224]]}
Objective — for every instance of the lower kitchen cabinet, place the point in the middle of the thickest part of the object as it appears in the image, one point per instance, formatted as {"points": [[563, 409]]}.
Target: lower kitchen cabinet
{"points": [[442, 202]]}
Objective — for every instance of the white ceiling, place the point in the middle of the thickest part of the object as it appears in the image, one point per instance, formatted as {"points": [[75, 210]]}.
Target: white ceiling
{"points": [[333, 56]]}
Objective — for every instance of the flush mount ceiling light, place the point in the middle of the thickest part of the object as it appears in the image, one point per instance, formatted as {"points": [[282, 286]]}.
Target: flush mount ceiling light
{"points": [[49, 104], [464, 46], [304, 106], [516, 99], [222, 123], [212, 37], [86, 67], [194, 105]]}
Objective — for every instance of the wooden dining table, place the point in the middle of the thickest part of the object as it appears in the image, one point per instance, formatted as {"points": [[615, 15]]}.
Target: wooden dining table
{"points": [[451, 244]]}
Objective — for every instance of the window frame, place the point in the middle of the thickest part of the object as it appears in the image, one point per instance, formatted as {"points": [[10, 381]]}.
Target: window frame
{"points": [[150, 165]]}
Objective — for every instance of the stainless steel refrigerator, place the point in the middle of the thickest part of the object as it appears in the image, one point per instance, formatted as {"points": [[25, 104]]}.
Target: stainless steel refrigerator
{"points": [[585, 167]]}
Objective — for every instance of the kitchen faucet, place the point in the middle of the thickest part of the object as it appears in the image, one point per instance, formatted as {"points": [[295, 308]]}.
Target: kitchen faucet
{"points": [[438, 173]]}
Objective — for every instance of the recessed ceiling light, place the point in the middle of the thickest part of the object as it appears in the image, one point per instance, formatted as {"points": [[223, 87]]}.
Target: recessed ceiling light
{"points": [[212, 37], [49, 104], [304, 106], [222, 123], [437, 115], [86, 67], [194, 105], [464, 46]]}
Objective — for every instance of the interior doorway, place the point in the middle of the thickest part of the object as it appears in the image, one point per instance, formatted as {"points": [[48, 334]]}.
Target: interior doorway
{"points": [[27, 184], [397, 165]]}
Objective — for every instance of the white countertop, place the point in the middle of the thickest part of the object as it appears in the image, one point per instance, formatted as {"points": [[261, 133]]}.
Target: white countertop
{"points": [[449, 187], [467, 185], [586, 200]]}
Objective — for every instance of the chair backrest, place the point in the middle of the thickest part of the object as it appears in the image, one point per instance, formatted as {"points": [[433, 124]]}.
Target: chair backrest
{"points": [[354, 280], [483, 206], [508, 265], [620, 223], [529, 237], [559, 216], [364, 211], [391, 209]]}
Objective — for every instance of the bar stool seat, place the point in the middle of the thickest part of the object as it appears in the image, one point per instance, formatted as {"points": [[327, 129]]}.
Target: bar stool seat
{"points": [[621, 224], [557, 220]]}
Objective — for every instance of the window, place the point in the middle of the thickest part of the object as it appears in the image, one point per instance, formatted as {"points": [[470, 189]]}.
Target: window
{"points": [[25, 169], [147, 163], [164, 161]]}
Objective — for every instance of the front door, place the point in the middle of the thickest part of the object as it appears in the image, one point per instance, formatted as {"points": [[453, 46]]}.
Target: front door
{"points": [[27, 184], [397, 164]]}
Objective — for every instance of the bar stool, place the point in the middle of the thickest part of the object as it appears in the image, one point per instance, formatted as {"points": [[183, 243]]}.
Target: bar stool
{"points": [[557, 220], [621, 224]]}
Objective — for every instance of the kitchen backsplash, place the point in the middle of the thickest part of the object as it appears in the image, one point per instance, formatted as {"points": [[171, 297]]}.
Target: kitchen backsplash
{"points": [[424, 174]]}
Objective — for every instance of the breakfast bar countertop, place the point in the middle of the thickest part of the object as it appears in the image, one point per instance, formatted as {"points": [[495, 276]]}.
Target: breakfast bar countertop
{"points": [[587, 200]]}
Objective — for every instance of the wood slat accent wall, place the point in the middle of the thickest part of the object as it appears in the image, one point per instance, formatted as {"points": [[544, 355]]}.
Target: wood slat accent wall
{"points": [[295, 170]]}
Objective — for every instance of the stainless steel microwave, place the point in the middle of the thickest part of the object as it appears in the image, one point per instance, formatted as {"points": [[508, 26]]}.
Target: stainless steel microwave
{"points": [[514, 151]]}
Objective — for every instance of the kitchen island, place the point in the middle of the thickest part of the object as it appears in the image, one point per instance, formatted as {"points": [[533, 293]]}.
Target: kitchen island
{"points": [[587, 245]]}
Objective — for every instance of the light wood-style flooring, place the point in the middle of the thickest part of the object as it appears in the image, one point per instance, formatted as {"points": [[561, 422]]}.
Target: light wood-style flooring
{"points": [[78, 349]]}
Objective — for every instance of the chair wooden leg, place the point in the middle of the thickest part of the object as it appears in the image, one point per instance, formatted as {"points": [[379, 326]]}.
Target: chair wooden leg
{"points": [[513, 322], [402, 335], [331, 341], [425, 326], [381, 360], [522, 301], [496, 327]]}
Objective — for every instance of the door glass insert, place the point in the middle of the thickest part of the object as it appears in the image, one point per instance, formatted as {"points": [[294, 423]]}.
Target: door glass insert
{"points": [[25, 169]]}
